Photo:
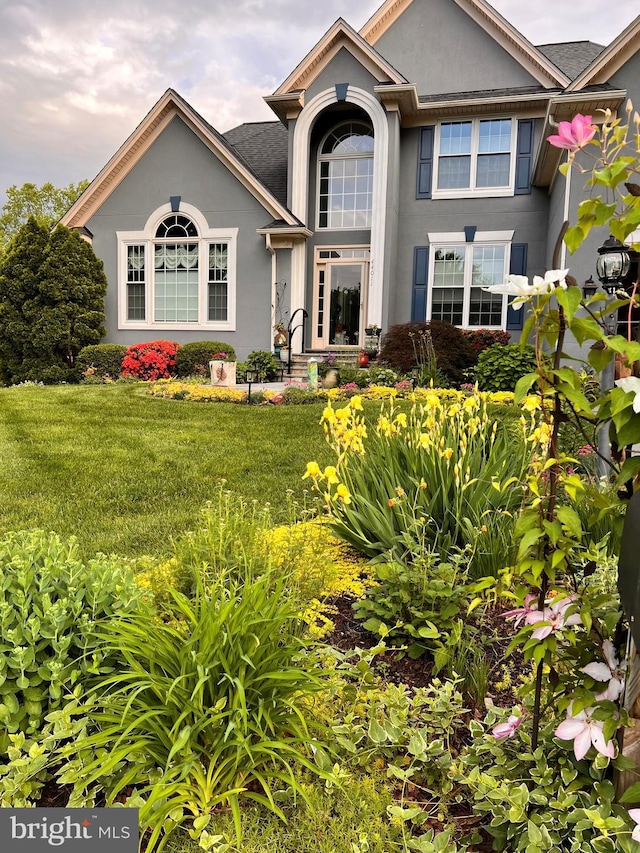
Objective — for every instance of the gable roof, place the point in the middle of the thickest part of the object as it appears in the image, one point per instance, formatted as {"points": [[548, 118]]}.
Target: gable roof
{"points": [[170, 105], [520, 48], [571, 57], [611, 59], [340, 35], [264, 145]]}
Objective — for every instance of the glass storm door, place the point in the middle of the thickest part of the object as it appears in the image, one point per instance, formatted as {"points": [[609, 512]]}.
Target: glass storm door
{"points": [[340, 297]]}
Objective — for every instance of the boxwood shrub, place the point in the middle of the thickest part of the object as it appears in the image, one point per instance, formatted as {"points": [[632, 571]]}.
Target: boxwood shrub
{"points": [[105, 359], [193, 359]]}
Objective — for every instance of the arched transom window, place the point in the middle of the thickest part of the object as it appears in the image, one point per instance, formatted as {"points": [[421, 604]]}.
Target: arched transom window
{"points": [[346, 177], [180, 274]]}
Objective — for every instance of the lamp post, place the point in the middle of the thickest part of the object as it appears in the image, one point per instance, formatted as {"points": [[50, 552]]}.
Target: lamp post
{"points": [[612, 268], [250, 377]]}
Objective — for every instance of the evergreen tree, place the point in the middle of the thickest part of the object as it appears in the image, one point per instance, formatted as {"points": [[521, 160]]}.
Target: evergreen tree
{"points": [[19, 288], [68, 311]]}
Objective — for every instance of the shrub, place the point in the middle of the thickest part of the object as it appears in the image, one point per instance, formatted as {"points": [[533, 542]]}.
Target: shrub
{"points": [[293, 396], [105, 359], [384, 376], [482, 339], [150, 360], [207, 710], [420, 603], [429, 477], [193, 359], [500, 367], [264, 363], [454, 352], [51, 605]]}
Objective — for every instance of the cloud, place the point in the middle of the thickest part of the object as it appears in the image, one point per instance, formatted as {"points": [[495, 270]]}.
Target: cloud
{"points": [[77, 77]]}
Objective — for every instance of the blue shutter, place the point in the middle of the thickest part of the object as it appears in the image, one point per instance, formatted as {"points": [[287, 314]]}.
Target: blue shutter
{"points": [[425, 162], [420, 272], [518, 266], [524, 156]]}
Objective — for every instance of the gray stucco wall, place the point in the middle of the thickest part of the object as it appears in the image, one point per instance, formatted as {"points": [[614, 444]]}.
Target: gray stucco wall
{"points": [[178, 163], [526, 215], [437, 46], [343, 68]]}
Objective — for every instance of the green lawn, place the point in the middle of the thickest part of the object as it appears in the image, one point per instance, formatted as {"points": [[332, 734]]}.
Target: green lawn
{"points": [[125, 472]]}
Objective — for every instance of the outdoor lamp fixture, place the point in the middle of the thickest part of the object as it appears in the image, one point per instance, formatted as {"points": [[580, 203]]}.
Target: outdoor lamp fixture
{"points": [[250, 377], [589, 288], [613, 264]]}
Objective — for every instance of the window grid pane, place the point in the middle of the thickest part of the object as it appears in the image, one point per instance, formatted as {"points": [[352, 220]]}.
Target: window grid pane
{"points": [[475, 154], [176, 283], [136, 283], [218, 292], [458, 269]]}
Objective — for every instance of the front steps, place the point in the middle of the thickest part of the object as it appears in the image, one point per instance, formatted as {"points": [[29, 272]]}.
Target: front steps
{"points": [[300, 361]]}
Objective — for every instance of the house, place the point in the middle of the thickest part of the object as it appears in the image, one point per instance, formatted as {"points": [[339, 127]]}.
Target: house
{"points": [[406, 167]]}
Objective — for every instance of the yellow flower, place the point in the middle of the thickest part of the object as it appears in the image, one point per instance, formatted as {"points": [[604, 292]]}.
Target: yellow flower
{"points": [[356, 403], [531, 403], [400, 492], [401, 419], [423, 484], [343, 414], [313, 470], [448, 453], [331, 475], [342, 493], [425, 440]]}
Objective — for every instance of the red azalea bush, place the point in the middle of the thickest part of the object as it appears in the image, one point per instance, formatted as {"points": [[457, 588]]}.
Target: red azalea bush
{"points": [[482, 339], [151, 360]]}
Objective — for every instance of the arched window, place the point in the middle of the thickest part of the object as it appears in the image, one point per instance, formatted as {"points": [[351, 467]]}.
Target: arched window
{"points": [[178, 273], [345, 166]]}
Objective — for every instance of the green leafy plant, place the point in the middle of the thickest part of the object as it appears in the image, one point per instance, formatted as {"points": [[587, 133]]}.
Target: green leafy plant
{"points": [[102, 359], [420, 603], [51, 604], [427, 478], [264, 364], [500, 367], [207, 709], [193, 359]]}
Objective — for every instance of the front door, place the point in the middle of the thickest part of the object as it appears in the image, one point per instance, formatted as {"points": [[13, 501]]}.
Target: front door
{"points": [[340, 297]]}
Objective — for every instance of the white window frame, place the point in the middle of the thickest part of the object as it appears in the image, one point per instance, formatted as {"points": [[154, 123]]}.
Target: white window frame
{"points": [[329, 158], [207, 235], [458, 241], [471, 190]]}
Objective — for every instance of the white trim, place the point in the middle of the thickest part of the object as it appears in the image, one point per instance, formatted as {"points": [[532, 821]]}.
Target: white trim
{"points": [[471, 190], [457, 239], [479, 237], [146, 238], [300, 187]]}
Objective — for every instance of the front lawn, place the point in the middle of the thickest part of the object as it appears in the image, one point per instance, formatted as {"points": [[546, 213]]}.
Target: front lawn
{"points": [[125, 472]]}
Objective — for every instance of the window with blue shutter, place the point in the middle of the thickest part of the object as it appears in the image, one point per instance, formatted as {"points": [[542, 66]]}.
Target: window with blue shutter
{"points": [[425, 162], [518, 266]]}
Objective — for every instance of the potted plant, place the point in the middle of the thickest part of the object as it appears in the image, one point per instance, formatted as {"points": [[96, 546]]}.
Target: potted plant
{"points": [[223, 370], [363, 358], [279, 335]]}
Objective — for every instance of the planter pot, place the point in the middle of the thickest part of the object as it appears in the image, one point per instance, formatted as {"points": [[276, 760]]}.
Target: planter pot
{"points": [[363, 359], [223, 373]]}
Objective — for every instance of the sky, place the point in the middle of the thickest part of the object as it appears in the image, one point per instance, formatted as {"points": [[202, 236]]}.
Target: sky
{"points": [[77, 76]]}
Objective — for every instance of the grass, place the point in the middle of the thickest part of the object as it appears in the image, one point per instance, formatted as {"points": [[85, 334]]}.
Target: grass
{"points": [[125, 472]]}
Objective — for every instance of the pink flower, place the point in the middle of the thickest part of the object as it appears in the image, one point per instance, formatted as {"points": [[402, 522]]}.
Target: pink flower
{"points": [[573, 134], [522, 614], [634, 814], [554, 617], [585, 732], [611, 672], [507, 729]]}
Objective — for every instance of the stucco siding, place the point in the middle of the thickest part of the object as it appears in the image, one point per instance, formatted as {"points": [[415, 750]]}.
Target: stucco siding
{"points": [[343, 68], [437, 46], [179, 164]]}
